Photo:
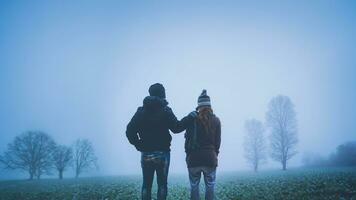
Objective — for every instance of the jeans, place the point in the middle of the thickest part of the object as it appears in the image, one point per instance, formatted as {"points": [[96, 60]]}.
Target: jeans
{"points": [[151, 162], [209, 179]]}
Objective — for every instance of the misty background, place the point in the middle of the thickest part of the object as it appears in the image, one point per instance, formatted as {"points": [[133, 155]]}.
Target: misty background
{"points": [[81, 69]]}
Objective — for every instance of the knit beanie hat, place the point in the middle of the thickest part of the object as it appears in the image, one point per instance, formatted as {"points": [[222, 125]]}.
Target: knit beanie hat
{"points": [[157, 90], [203, 100]]}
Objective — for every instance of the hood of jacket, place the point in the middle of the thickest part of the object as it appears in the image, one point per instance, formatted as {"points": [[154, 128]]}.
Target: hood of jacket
{"points": [[153, 103]]}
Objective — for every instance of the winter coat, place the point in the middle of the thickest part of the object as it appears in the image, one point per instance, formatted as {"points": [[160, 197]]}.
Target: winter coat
{"points": [[149, 128], [202, 148]]}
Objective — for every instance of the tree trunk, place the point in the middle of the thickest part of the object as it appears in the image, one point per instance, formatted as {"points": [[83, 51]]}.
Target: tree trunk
{"points": [[284, 163], [76, 173], [60, 174], [31, 176], [255, 168]]}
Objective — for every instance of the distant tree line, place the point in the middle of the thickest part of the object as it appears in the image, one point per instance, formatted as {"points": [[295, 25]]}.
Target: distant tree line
{"points": [[281, 122], [344, 156], [36, 153]]}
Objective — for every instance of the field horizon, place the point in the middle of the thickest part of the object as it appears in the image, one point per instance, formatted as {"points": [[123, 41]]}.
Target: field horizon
{"points": [[174, 174], [302, 183]]}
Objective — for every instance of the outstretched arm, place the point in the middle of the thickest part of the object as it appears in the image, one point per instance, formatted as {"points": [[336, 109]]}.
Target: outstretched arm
{"points": [[175, 125]]}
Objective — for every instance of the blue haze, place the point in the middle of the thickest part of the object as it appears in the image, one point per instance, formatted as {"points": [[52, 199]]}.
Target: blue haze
{"points": [[80, 69]]}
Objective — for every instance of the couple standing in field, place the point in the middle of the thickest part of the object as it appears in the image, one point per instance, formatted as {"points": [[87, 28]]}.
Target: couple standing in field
{"points": [[148, 131]]}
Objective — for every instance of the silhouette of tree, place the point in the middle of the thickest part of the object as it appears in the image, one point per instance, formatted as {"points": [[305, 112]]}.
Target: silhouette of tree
{"points": [[345, 155], [254, 143], [31, 152], [62, 157], [83, 156], [281, 119]]}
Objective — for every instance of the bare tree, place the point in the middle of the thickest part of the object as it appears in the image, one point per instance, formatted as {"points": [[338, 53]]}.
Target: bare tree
{"points": [[31, 152], [62, 157], [281, 119], [83, 156], [44, 154], [254, 143]]}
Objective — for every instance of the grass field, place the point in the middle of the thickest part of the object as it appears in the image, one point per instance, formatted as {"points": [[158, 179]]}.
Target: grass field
{"points": [[336, 183]]}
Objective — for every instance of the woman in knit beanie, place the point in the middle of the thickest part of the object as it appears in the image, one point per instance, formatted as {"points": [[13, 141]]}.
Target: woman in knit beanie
{"points": [[203, 137]]}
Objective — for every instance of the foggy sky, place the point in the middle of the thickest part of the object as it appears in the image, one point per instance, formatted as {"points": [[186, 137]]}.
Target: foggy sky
{"points": [[81, 69]]}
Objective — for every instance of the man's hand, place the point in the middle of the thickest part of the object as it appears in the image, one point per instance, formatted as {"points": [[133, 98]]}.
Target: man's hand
{"points": [[193, 114], [138, 146]]}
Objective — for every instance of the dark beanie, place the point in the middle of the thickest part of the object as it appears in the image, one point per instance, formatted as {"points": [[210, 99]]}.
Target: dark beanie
{"points": [[203, 100], [157, 90]]}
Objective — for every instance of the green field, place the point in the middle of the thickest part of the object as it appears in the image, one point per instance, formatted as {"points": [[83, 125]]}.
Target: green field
{"points": [[336, 183]]}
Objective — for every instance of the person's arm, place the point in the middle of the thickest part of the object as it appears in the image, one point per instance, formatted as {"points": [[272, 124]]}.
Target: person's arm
{"points": [[218, 137], [132, 131], [175, 125]]}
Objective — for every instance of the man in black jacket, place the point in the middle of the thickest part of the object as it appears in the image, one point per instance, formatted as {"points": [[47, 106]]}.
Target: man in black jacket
{"points": [[148, 131]]}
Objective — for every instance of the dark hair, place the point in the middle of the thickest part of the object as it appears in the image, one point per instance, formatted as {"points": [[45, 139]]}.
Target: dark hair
{"points": [[207, 118]]}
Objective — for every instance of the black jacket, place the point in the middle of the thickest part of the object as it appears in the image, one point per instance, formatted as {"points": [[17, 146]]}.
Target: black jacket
{"points": [[149, 128], [202, 148]]}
